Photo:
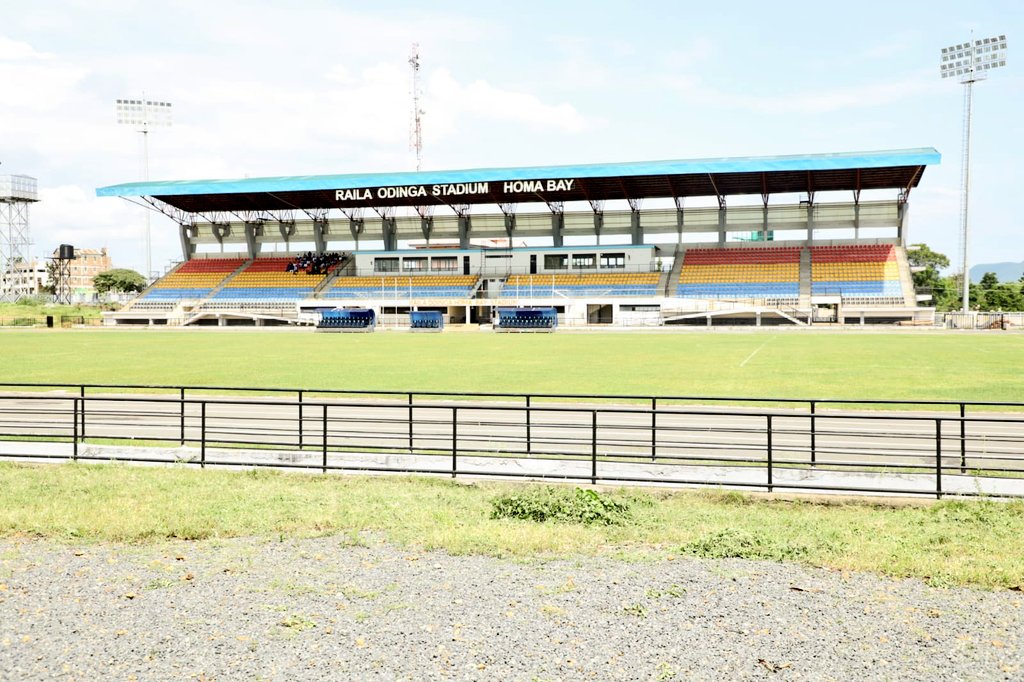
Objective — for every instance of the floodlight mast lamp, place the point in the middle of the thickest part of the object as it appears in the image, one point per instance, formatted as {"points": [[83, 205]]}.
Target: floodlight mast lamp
{"points": [[143, 114], [970, 62]]}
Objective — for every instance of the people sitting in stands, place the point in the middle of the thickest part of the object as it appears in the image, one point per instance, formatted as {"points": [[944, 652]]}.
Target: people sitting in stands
{"points": [[314, 263]]}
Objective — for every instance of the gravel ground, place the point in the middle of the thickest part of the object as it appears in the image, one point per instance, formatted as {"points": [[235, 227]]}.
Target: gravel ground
{"points": [[331, 608]]}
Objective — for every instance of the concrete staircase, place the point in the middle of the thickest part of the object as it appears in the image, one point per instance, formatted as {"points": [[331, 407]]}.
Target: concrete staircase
{"points": [[805, 278], [334, 274], [197, 309], [906, 278], [127, 306], [670, 280]]}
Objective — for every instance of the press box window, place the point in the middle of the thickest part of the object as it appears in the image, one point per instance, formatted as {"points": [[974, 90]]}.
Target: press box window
{"points": [[557, 261], [414, 264], [613, 260], [444, 264], [583, 261], [385, 265]]}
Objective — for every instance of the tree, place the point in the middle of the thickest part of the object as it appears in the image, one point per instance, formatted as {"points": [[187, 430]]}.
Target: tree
{"points": [[119, 280], [947, 294], [921, 256], [943, 289], [990, 294], [51, 278]]}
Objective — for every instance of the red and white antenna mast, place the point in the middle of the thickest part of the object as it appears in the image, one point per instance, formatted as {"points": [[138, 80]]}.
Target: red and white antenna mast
{"points": [[416, 133]]}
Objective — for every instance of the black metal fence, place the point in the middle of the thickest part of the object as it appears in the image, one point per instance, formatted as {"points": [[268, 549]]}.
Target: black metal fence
{"points": [[65, 321], [927, 448]]}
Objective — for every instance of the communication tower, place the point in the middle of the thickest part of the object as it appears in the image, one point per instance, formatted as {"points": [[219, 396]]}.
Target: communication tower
{"points": [[416, 132]]}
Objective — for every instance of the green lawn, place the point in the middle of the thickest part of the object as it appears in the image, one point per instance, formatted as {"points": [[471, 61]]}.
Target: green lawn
{"points": [[912, 365]]}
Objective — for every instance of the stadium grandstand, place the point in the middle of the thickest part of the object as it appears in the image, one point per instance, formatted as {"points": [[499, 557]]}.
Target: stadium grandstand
{"points": [[792, 240]]}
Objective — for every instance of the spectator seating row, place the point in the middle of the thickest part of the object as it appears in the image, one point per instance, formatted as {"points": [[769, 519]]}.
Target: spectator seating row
{"points": [[402, 286], [266, 279], [741, 273], [194, 278], [856, 272], [741, 290], [596, 284], [734, 256]]}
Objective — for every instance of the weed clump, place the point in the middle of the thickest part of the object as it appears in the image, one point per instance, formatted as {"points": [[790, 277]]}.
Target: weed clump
{"points": [[739, 544], [587, 507]]}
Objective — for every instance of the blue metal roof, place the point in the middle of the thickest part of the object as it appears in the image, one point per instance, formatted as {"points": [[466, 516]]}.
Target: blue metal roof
{"points": [[750, 164]]}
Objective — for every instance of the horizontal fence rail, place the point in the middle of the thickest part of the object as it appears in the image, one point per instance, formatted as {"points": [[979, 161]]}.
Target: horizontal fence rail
{"points": [[796, 446]]}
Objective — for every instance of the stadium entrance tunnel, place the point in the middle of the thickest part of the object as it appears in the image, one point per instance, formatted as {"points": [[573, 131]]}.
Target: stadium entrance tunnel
{"points": [[600, 313]]}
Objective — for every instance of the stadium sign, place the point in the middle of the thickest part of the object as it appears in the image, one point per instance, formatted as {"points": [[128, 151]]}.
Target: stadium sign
{"points": [[454, 189]]}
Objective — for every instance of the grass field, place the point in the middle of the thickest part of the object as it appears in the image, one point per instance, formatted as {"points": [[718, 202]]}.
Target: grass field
{"points": [[911, 365], [948, 543]]}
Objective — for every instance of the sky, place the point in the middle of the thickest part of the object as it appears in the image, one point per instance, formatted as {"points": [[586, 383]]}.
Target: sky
{"points": [[312, 87]]}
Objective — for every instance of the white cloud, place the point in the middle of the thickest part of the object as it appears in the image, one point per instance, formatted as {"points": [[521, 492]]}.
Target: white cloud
{"points": [[69, 214], [13, 50], [811, 101], [448, 102]]}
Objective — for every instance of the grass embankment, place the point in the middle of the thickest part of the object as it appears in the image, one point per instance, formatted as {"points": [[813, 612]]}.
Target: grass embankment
{"points": [[30, 308], [905, 366], [948, 543]]}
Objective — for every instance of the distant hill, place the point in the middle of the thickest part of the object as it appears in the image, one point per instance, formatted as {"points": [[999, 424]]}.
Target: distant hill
{"points": [[1006, 272]]}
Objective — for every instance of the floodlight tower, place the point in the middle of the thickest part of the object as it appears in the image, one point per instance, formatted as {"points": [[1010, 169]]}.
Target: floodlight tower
{"points": [[970, 62], [16, 193], [143, 114]]}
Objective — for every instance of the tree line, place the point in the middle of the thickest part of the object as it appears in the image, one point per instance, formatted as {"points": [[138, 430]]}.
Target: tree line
{"points": [[947, 292]]}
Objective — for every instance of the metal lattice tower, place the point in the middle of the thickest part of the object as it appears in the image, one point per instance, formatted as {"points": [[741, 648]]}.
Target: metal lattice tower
{"points": [[16, 193], [416, 132]]}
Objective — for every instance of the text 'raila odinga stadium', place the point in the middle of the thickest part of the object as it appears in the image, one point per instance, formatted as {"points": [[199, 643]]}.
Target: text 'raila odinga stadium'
{"points": [[454, 189]]}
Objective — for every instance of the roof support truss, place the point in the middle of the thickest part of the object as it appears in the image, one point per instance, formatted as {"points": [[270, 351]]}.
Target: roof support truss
{"points": [[905, 191], [714, 186]]}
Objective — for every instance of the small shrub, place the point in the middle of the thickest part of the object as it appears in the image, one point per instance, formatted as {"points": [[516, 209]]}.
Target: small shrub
{"points": [[738, 544], [728, 497], [540, 505], [975, 512]]}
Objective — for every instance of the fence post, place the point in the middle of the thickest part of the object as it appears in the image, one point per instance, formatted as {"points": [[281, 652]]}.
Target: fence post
{"points": [[202, 434], [963, 440], [325, 439], [74, 429], [593, 447], [300, 420], [814, 435], [770, 483], [182, 404], [654, 429], [410, 424], [529, 440], [455, 439], [81, 394], [938, 458]]}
